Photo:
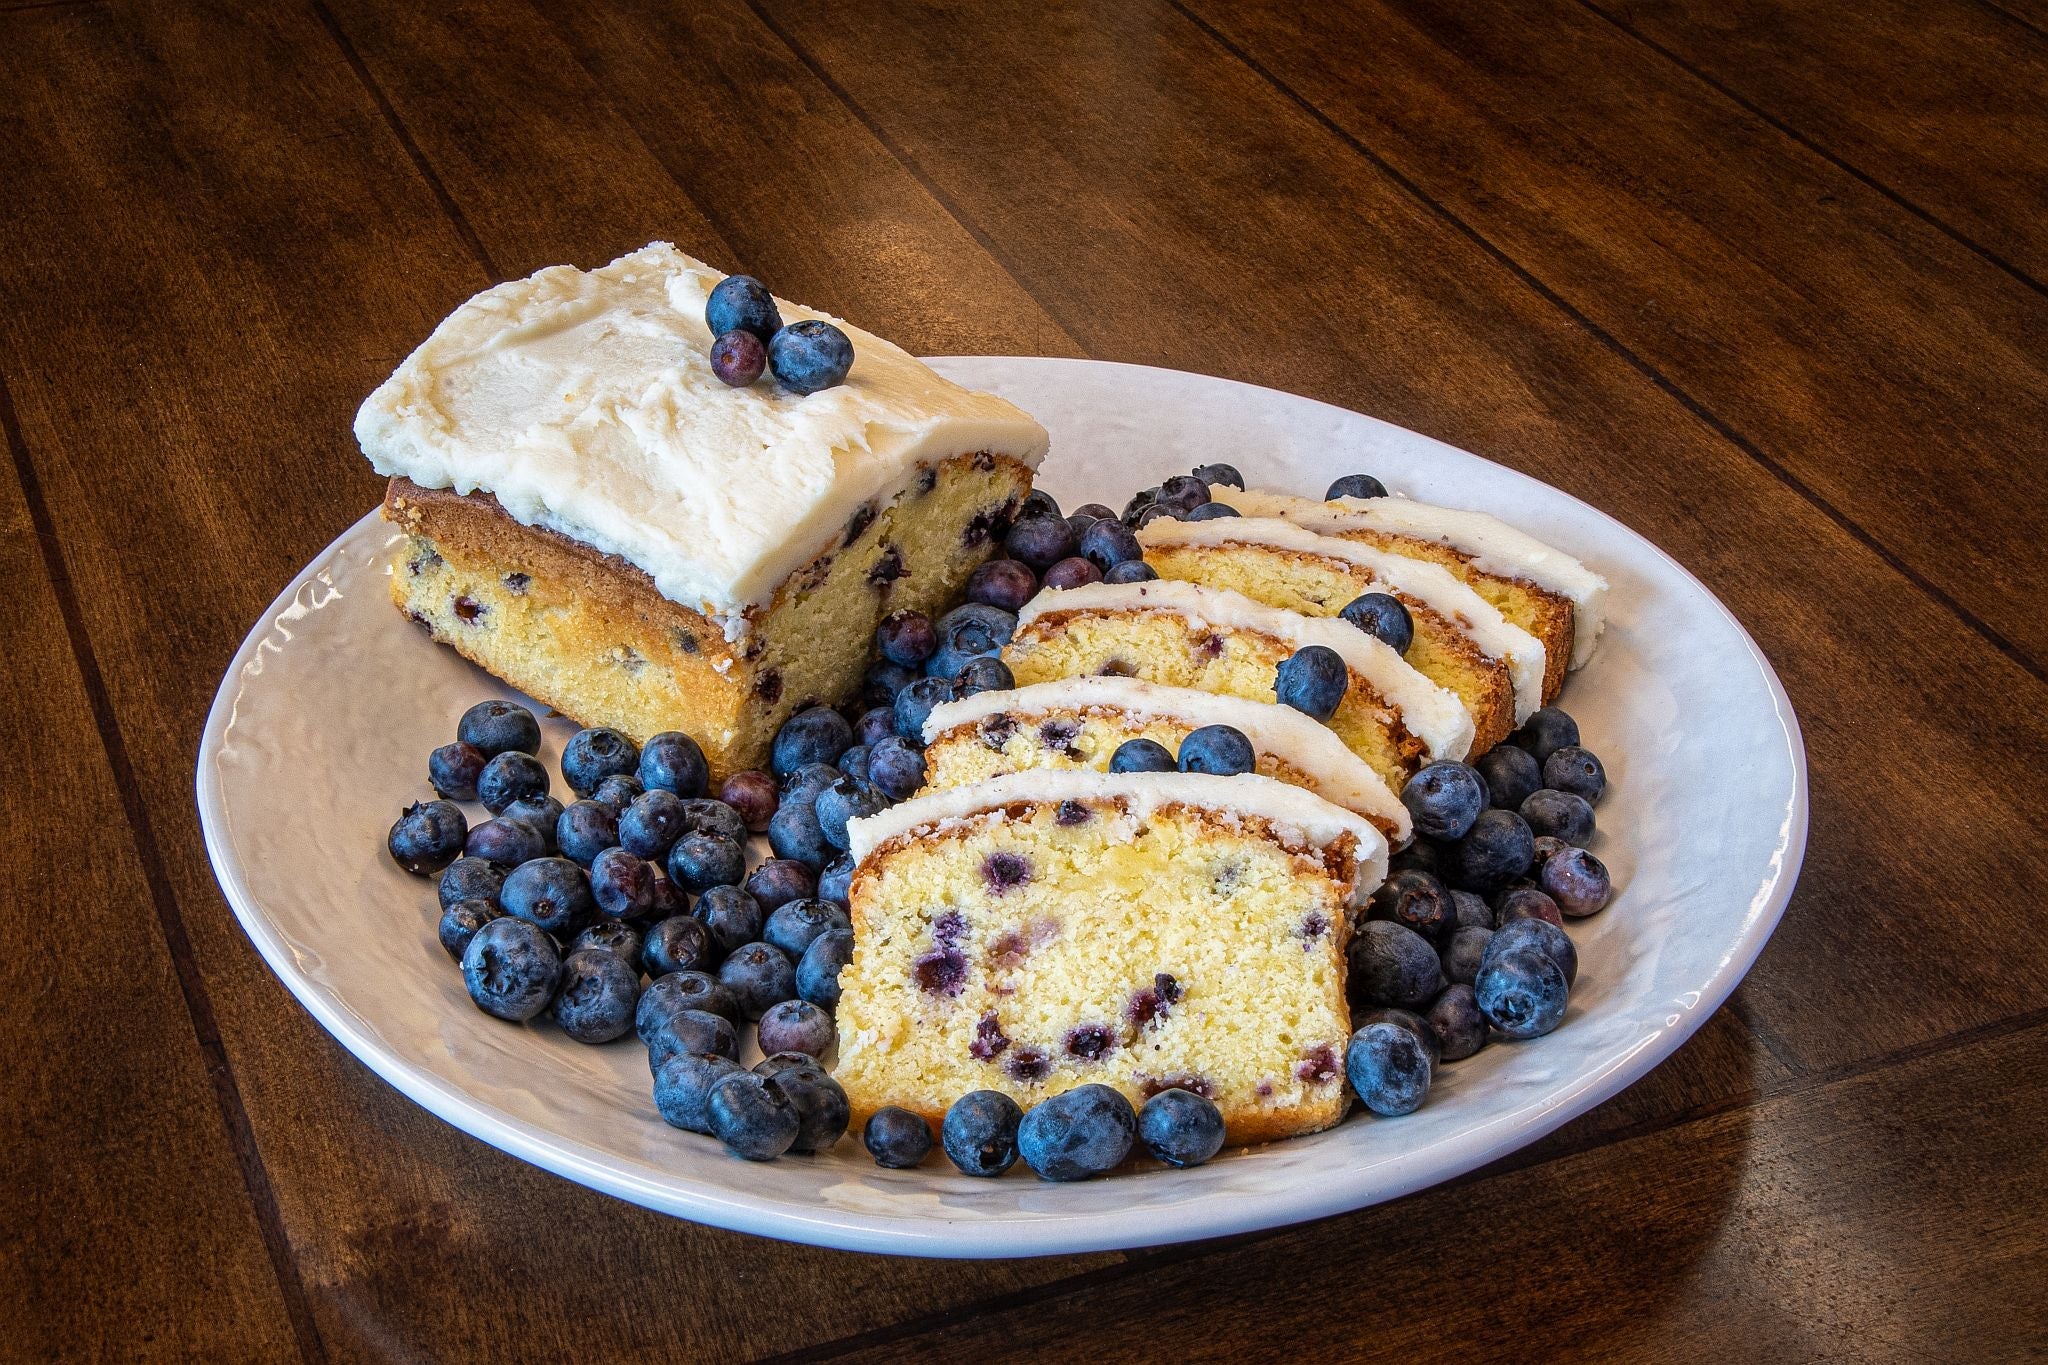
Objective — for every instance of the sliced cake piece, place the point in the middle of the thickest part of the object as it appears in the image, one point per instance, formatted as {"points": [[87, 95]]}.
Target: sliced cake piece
{"points": [[1185, 635], [1080, 722], [1541, 589], [1047, 929], [1461, 640]]}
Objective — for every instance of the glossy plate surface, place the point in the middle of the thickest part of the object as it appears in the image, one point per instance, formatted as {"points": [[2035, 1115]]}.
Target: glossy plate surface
{"points": [[323, 723]]}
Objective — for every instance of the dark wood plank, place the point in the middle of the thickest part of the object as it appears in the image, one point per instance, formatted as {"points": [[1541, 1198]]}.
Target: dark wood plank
{"points": [[1248, 241], [125, 1208], [1886, 1216], [1945, 103]]}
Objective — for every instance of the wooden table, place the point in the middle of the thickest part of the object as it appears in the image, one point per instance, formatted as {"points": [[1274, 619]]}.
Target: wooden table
{"points": [[1762, 278]]}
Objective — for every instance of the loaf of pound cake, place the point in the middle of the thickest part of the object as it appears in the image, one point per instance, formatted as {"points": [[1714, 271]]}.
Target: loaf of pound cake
{"points": [[591, 515], [1046, 929]]}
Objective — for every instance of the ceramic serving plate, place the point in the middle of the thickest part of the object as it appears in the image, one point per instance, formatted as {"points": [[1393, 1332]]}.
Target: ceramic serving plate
{"points": [[322, 726]]}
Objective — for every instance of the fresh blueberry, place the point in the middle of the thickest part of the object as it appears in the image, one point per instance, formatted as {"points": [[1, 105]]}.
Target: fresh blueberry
{"points": [[967, 632], [1574, 878], [1355, 486], [683, 1083], [1312, 680], [752, 1116], [896, 768], [509, 777], [795, 926], [1130, 571], [585, 830], [679, 943], [704, 815], [611, 936], [1107, 544], [1498, 848], [1039, 541], [801, 787], [1224, 474], [1005, 584], [986, 674], [1422, 856], [592, 755], [1444, 799], [915, 702], [1142, 756], [821, 1107], [875, 725], [622, 885], [1180, 1128], [1221, 750], [617, 793], [810, 355], [1141, 501], [1510, 774], [907, 638], [732, 916], [1079, 1133], [1560, 815], [979, 1133], [759, 977], [428, 836], [673, 762], [775, 1063], [1079, 521], [510, 968], [1462, 953], [499, 727], [1184, 492], [1575, 770], [1469, 911], [679, 1032], [1416, 899], [595, 999], [817, 734], [701, 861], [1384, 617], [896, 1138], [849, 798], [544, 813], [835, 881], [470, 879], [460, 921], [1526, 902], [552, 893], [737, 359], [1407, 1019], [1072, 572], [1545, 732], [1391, 964], [652, 824], [1389, 1068], [794, 834], [741, 303], [670, 995], [506, 843], [1210, 511], [454, 769], [882, 681], [1521, 992], [1537, 936], [670, 900], [854, 762], [1458, 1022], [777, 881], [817, 974], [1038, 502], [795, 1026]]}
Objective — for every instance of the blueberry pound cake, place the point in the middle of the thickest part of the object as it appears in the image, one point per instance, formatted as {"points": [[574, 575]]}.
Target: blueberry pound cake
{"points": [[1146, 931], [597, 515]]}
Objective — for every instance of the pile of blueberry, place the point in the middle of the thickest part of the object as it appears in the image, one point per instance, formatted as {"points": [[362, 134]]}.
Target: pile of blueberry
{"points": [[748, 337]]}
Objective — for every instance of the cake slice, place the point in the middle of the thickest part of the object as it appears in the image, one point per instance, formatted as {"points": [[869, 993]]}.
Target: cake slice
{"points": [[1079, 722], [594, 517], [1185, 635], [1461, 640], [1046, 929], [1541, 589]]}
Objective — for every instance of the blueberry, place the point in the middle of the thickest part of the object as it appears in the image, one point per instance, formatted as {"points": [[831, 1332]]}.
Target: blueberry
{"points": [[505, 843], [810, 355], [1079, 1133], [1498, 848], [1079, 520], [1545, 732], [1575, 770], [1458, 1022], [1141, 502], [737, 359], [1221, 750], [1444, 799], [795, 926], [821, 1107], [759, 976], [652, 824], [817, 974], [1107, 544], [883, 680], [1040, 503], [585, 830], [592, 755], [775, 1063], [1415, 1023], [896, 1138], [1526, 902], [1422, 856], [1141, 756], [703, 815], [1521, 992], [795, 836], [700, 861], [752, 1116], [611, 936], [622, 885], [1039, 541], [1180, 1128], [1005, 584], [683, 1083], [1225, 474], [873, 726], [617, 793], [1462, 953], [907, 638], [679, 943], [1184, 492], [498, 727], [1210, 511], [510, 777], [1416, 899], [427, 836], [801, 787], [596, 995], [1130, 571], [1510, 774], [1355, 486], [676, 1033], [552, 893], [673, 762], [1389, 1067], [670, 900], [979, 1133], [677, 992], [777, 881], [896, 768], [741, 303], [1574, 878], [1537, 936], [854, 762], [542, 812], [1469, 911], [1312, 680], [1384, 617], [849, 798], [987, 674], [1391, 964], [796, 1026], [915, 702], [469, 879], [732, 916], [1072, 572], [510, 968], [460, 921], [454, 768], [968, 632], [1560, 815], [835, 882], [817, 734]]}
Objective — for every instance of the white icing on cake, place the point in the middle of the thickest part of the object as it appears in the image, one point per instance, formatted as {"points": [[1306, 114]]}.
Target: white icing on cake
{"points": [[1493, 547], [585, 402], [1428, 583], [1336, 774], [1297, 814], [1431, 713]]}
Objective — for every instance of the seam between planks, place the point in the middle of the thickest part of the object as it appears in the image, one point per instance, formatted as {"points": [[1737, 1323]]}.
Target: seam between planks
{"points": [[169, 917]]}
